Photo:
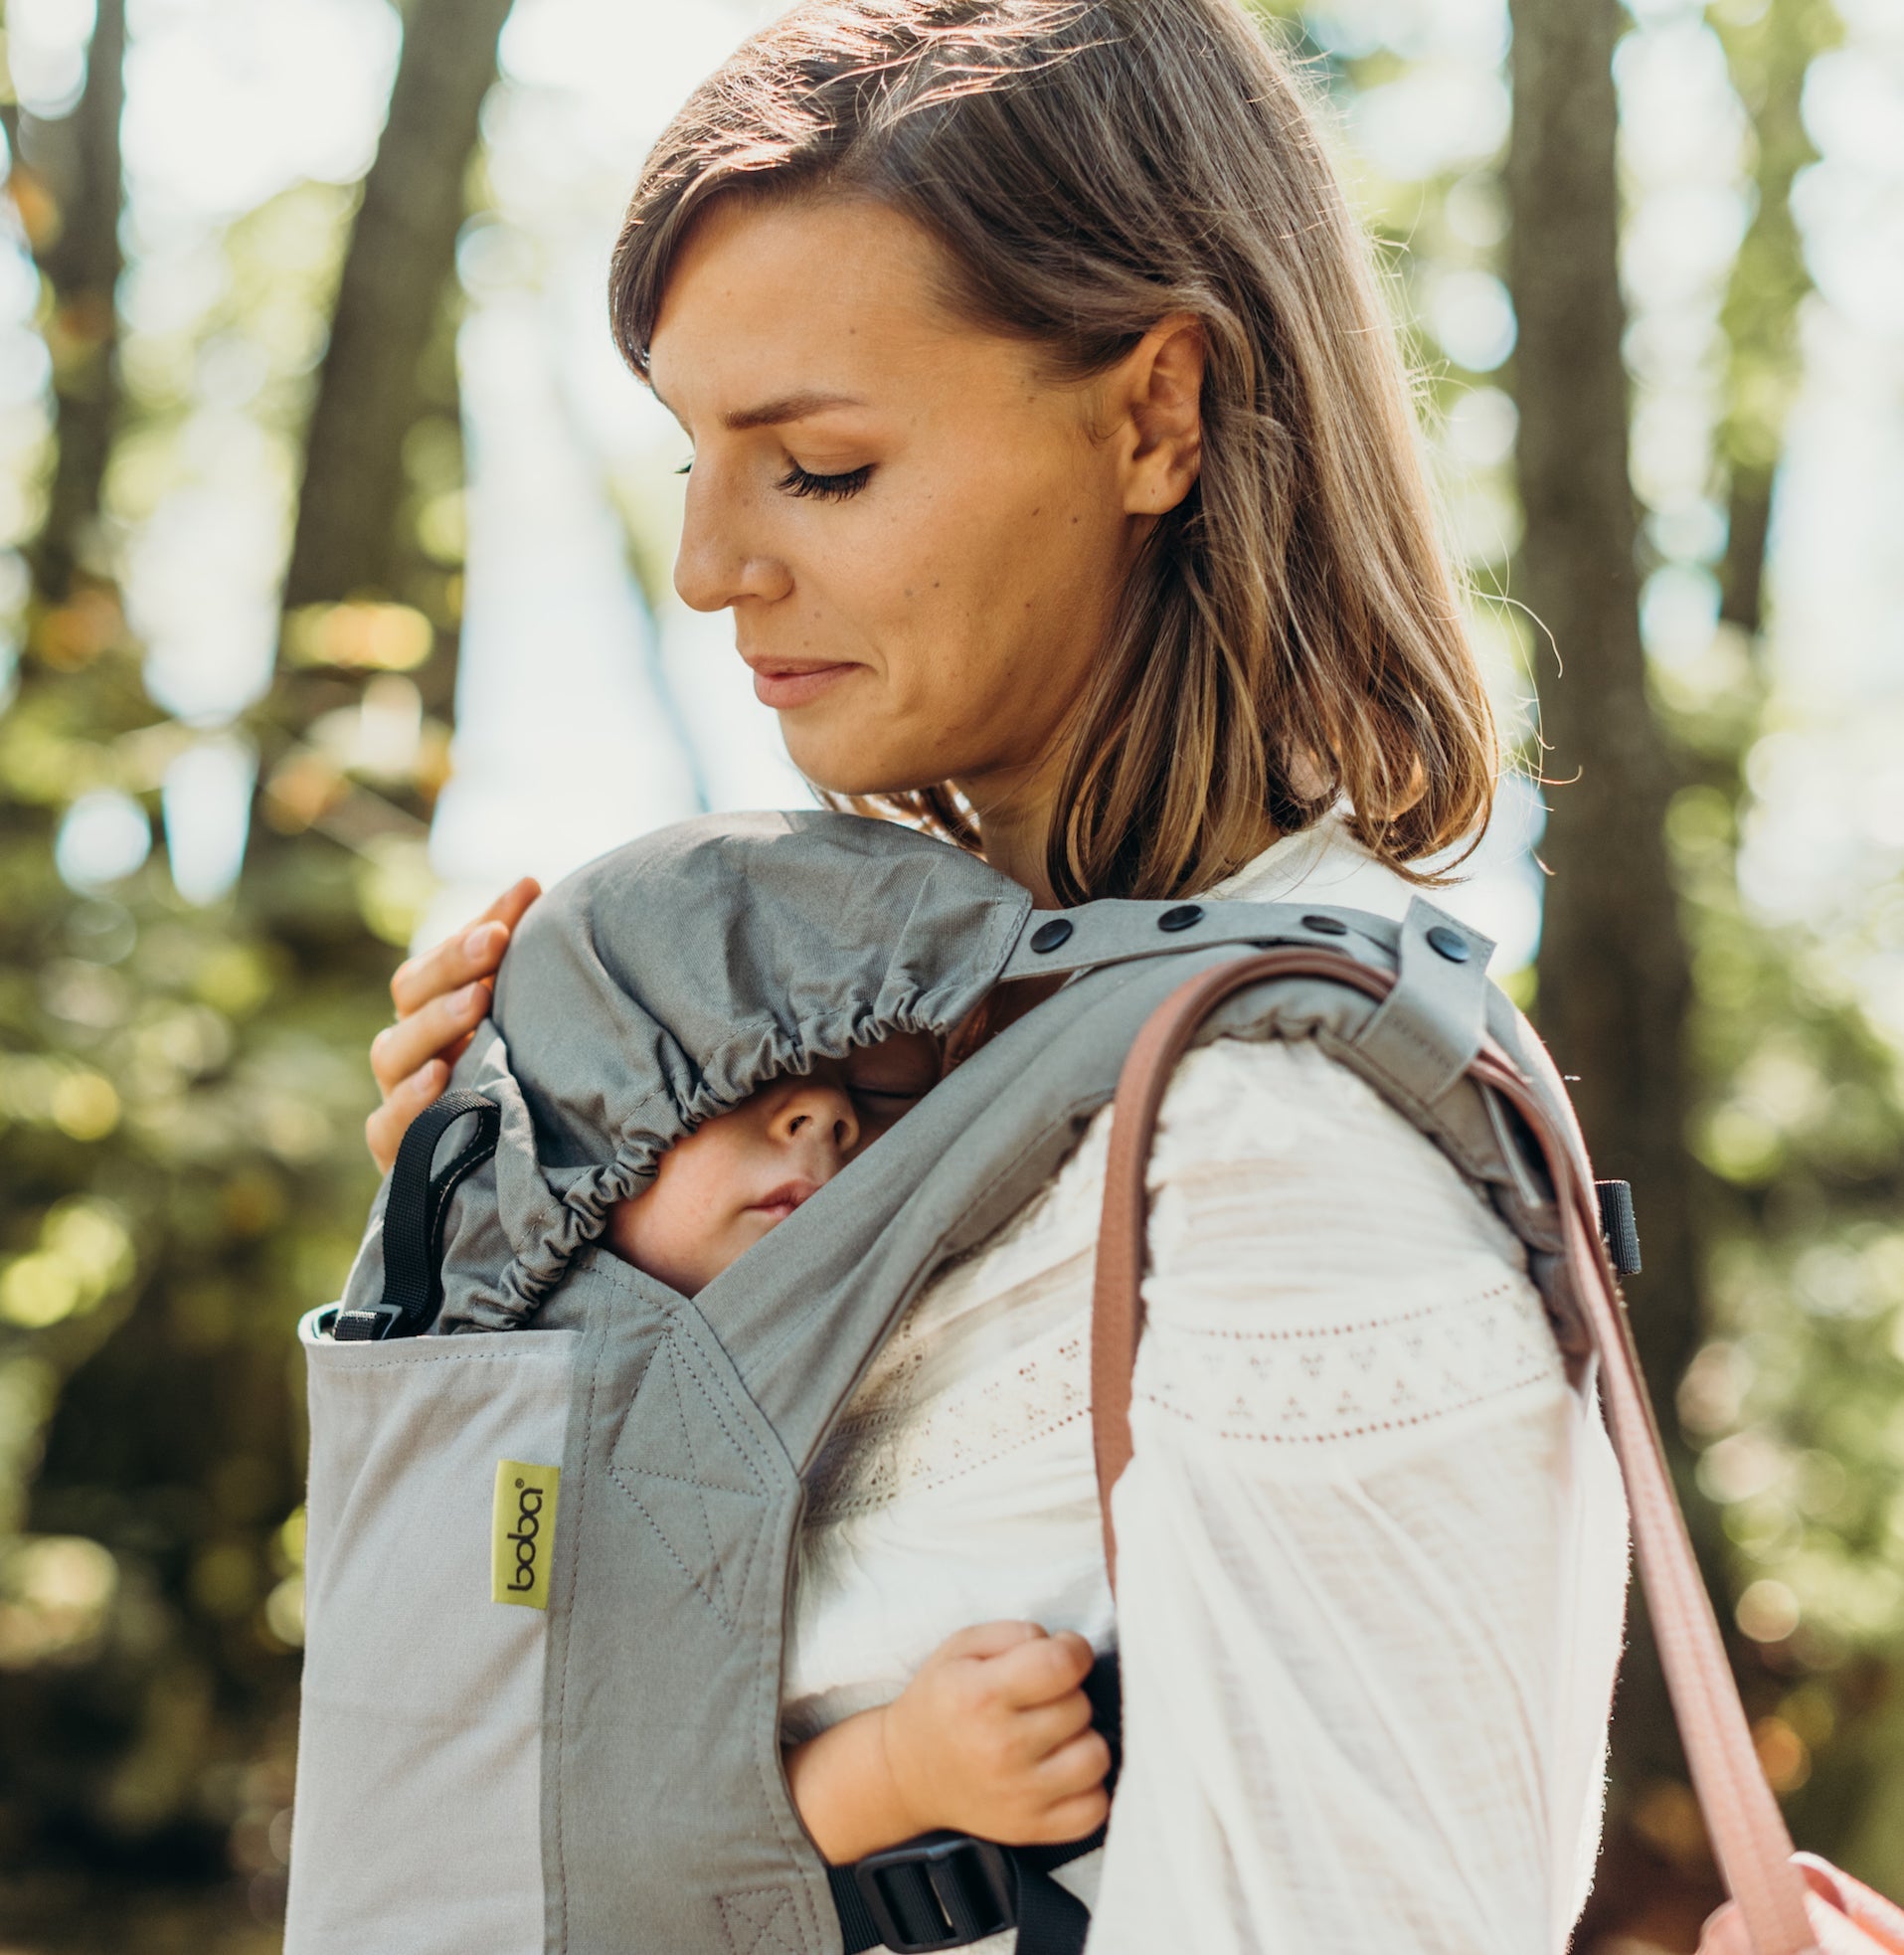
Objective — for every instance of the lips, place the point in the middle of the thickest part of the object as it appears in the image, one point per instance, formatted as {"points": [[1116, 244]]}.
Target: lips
{"points": [[786, 684], [783, 1200]]}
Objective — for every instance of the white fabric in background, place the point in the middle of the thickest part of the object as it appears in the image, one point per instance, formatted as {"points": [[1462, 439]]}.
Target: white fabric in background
{"points": [[1373, 1545]]}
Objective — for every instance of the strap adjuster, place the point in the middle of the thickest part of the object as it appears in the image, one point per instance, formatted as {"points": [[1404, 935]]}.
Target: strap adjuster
{"points": [[367, 1323], [940, 1890]]}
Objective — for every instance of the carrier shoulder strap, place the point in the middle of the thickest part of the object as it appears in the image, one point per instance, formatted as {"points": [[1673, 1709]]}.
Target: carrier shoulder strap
{"points": [[1749, 1837]]}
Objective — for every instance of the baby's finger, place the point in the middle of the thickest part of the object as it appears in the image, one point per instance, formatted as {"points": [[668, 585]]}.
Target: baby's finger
{"points": [[1070, 1819], [1046, 1727], [1074, 1768], [1080, 1647], [988, 1639], [1052, 1667]]}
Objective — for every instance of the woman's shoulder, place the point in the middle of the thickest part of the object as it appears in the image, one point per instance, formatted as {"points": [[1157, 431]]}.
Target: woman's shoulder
{"points": [[1275, 1138], [1325, 1288], [1323, 863], [1286, 1107], [1261, 1143]]}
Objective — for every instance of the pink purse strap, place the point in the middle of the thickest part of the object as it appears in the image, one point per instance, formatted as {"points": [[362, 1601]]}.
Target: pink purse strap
{"points": [[1749, 1837]]}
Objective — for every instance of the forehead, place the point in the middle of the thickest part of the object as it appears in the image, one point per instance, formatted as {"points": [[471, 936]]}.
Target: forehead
{"points": [[828, 295]]}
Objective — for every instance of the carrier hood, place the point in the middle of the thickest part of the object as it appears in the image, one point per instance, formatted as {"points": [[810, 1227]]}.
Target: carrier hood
{"points": [[670, 979]]}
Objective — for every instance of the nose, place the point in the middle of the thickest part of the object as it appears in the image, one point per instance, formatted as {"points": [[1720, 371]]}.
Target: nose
{"points": [[818, 1114], [719, 563]]}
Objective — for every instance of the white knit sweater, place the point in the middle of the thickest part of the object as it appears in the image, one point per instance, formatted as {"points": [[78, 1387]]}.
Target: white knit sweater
{"points": [[1372, 1545]]}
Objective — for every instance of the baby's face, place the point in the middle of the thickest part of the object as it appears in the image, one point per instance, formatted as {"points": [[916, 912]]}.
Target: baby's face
{"points": [[738, 1175]]}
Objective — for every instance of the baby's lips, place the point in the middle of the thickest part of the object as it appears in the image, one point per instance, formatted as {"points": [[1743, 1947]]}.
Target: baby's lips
{"points": [[783, 1201]]}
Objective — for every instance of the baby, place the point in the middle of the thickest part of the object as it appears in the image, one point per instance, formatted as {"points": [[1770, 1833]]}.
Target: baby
{"points": [[993, 1735]]}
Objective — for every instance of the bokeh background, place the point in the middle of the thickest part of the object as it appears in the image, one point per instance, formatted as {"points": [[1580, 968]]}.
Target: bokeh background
{"points": [[335, 594]]}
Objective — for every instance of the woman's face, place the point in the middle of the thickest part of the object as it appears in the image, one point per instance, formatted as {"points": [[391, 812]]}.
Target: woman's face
{"points": [[921, 535]]}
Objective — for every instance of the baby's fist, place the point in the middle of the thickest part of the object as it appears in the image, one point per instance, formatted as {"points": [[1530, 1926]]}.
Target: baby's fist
{"points": [[994, 1737]]}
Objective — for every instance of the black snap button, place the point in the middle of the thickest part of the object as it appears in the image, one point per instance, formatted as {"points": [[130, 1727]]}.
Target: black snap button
{"points": [[1449, 944], [1325, 925], [1181, 918], [1048, 935]]}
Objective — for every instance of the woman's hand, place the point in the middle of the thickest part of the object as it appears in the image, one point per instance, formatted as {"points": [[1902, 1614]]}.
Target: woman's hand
{"points": [[992, 1737], [441, 999]]}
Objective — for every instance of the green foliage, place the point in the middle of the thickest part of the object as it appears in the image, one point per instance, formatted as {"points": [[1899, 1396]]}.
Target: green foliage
{"points": [[182, 1088], [181, 1096], [1793, 1402]]}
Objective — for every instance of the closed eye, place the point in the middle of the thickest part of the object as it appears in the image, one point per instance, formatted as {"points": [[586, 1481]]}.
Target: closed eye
{"points": [[829, 488], [883, 1106]]}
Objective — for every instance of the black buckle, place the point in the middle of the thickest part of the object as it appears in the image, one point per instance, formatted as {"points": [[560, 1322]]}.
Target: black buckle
{"points": [[369, 1323], [940, 1890]]}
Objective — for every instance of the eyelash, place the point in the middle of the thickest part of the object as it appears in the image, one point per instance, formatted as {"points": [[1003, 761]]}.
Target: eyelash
{"points": [[829, 488], [803, 481]]}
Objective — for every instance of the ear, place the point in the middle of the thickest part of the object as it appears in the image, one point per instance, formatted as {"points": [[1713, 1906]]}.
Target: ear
{"points": [[1158, 403]]}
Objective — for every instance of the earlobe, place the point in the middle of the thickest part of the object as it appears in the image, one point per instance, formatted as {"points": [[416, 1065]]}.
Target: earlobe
{"points": [[1165, 405]]}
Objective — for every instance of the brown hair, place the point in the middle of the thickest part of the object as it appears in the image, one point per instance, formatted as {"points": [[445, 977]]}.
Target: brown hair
{"points": [[1292, 635]]}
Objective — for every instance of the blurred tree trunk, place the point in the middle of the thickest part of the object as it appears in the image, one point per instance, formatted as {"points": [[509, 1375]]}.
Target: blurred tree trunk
{"points": [[78, 249], [1769, 58], [401, 253], [1614, 971], [388, 381]]}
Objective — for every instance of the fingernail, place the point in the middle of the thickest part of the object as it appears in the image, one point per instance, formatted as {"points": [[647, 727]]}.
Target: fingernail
{"points": [[477, 943], [467, 998]]}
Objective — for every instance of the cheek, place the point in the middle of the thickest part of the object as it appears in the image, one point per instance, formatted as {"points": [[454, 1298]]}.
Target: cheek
{"points": [[683, 1201], [971, 579], [968, 518], [976, 591], [1023, 591]]}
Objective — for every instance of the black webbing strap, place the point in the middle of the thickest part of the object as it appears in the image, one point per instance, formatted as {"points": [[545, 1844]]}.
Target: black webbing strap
{"points": [[948, 1891], [414, 1217], [1618, 1225]]}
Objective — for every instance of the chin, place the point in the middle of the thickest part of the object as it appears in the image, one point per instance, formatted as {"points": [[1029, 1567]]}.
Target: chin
{"points": [[847, 760]]}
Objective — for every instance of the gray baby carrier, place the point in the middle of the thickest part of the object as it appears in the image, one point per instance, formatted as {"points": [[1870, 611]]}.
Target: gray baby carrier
{"points": [[549, 1572]]}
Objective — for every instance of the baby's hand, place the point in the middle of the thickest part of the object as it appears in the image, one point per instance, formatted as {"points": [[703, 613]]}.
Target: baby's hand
{"points": [[994, 1737]]}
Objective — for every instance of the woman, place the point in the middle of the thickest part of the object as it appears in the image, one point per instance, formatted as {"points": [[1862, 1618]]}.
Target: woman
{"points": [[1053, 456]]}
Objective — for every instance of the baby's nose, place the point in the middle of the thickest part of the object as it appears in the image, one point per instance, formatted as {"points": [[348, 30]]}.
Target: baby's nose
{"points": [[821, 1114]]}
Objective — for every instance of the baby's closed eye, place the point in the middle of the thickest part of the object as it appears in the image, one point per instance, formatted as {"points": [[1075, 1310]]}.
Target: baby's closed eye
{"points": [[887, 1080], [887, 1096], [880, 1109]]}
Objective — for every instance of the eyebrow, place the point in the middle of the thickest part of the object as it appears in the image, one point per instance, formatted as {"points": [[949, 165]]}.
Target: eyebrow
{"points": [[790, 407]]}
